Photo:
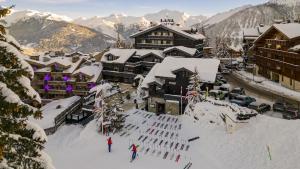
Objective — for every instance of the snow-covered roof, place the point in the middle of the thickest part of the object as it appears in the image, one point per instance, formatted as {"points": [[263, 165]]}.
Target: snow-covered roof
{"points": [[206, 69], [122, 55], [51, 110], [93, 71], [70, 66], [291, 30], [66, 62], [295, 48], [190, 51], [175, 29], [255, 32], [144, 52]]}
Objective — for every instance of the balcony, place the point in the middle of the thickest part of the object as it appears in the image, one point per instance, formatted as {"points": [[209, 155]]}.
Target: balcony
{"points": [[54, 91], [151, 45], [57, 83], [277, 42], [131, 64], [80, 92], [118, 74], [164, 37]]}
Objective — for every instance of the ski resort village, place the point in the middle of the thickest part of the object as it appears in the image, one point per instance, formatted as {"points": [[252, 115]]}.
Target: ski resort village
{"points": [[147, 90]]}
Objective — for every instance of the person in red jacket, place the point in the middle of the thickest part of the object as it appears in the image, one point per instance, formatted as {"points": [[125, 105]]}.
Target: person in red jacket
{"points": [[133, 152], [109, 143]]}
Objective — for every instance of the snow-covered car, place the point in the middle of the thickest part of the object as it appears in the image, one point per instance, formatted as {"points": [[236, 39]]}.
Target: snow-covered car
{"points": [[260, 108], [281, 106], [218, 94], [291, 114], [243, 100], [236, 92]]}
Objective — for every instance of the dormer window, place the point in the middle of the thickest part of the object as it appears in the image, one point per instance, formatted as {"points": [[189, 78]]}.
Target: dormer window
{"points": [[110, 57]]}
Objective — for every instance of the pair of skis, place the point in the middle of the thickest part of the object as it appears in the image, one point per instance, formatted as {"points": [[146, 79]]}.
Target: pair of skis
{"points": [[188, 165]]}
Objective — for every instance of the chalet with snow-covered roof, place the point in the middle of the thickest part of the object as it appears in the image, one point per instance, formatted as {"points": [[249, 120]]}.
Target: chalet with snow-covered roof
{"points": [[182, 51], [249, 36], [123, 65], [62, 76], [167, 82], [164, 36], [277, 54]]}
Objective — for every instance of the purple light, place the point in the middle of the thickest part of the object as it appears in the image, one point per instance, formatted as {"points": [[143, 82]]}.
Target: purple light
{"points": [[66, 78], [91, 85], [47, 87], [69, 88], [47, 77]]}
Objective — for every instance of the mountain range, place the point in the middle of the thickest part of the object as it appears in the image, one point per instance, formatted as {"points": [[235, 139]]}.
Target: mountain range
{"points": [[48, 31]]}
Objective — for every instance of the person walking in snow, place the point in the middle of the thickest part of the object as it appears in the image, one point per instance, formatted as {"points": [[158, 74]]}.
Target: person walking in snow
{"points": [[109, 143], [133, 152]]}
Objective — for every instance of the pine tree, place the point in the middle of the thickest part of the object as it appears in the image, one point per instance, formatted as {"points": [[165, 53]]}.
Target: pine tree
{"points": [[21, 142]]}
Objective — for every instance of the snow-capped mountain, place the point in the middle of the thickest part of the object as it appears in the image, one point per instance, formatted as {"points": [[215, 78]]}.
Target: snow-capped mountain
{"points": [[16, 16], [107, 24], [249, 17], [46, 31], [285, 2]]}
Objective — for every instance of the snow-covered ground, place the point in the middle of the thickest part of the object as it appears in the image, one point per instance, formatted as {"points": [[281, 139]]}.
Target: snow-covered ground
{"points": [[80, 147], [268, 85]]}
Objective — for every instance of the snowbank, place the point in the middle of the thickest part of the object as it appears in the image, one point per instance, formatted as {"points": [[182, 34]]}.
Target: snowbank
{"points": [[268, 85]]}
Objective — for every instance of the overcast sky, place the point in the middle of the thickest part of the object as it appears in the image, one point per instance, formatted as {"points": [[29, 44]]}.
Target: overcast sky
{"points": [[87, 8]]}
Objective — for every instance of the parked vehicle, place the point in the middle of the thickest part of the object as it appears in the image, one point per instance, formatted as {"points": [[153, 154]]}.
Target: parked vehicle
{"points": [[218, 94], [281, 106], [291, 114], [225, 71], [243, 100], [260, 108], [235, 92]]}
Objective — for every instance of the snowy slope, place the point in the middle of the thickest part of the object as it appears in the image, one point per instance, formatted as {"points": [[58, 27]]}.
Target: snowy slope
{"points": [[222, 16], [77, 147]]}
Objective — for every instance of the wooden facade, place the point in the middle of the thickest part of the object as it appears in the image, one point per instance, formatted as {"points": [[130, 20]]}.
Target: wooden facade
{"points": [[126, 72], [274, 59], [161, 37]]}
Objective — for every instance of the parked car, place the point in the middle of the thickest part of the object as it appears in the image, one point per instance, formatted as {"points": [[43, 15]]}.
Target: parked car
{"points": [[281, 106], [243, 100], [225, 71], [260, 108], [291, 114], [235, 92], [218, 94]]}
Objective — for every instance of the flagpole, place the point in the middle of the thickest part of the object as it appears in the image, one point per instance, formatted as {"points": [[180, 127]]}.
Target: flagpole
{"points": [[181, 100]]}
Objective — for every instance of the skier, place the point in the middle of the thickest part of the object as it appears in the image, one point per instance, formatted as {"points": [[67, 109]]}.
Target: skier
{"points": [[133, 152], [109, 143]]}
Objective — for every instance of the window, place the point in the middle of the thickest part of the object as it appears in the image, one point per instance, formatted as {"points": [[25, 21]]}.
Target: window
{"points": [[116, 68], [156, 60]]}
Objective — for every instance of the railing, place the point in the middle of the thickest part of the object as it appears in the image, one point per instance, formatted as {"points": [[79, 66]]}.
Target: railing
{"points": [[58, 83], [133, 64]]}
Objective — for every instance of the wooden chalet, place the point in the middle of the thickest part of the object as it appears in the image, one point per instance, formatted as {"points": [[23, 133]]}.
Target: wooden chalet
{"points": [[277, 54], [164, 36], [167, 82]]}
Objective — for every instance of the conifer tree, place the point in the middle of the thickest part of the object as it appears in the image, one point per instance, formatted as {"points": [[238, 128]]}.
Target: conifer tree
{"points": [[21, 142]]}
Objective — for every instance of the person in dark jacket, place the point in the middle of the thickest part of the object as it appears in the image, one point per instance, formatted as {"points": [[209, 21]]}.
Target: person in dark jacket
{"points": [[109, 143]]}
